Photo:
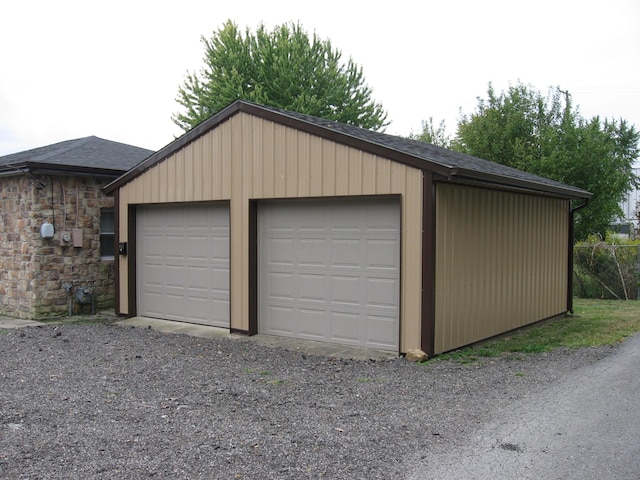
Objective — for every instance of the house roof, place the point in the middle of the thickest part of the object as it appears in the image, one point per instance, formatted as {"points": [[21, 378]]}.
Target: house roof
{"points": [[88, 155], [448, 164]]}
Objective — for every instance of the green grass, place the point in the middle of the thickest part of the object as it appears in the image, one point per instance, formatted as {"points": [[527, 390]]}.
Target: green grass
{"points": [[265, 373], [277, 381], [364, 379], [594, 323]]}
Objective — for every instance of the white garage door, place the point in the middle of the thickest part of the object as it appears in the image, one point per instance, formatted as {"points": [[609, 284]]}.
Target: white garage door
{"points": [[330, 271], [183, 263]]}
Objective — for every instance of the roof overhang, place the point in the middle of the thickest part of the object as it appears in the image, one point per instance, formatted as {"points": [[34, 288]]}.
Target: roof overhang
{"points": [[276, 117], [439, 168], [44, 168], [497, 181]]}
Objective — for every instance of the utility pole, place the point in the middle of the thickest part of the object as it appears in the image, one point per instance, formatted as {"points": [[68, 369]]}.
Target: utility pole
{"points": [[567, 96], [567, 102]]}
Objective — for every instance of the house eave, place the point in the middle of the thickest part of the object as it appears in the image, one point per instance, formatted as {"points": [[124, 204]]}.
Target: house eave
{"points": [[281, 119], [498, 181], [55, 169], [437, 167]]}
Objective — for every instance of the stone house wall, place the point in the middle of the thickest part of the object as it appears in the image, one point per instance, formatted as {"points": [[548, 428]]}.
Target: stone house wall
{"points": [[33, 270]]}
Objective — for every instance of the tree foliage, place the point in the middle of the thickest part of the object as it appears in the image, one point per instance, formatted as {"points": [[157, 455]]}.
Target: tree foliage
{"points": [[283, 68], [544, 135], [432, 134]]}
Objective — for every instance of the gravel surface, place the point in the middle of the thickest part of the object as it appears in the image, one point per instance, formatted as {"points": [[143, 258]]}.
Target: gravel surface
{"points": [[102, 401]]}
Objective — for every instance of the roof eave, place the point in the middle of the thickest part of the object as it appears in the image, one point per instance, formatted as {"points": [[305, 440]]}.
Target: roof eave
{"points": [[498, 181], [281, 119], [452, 173], [188, 137], [49, 168]]}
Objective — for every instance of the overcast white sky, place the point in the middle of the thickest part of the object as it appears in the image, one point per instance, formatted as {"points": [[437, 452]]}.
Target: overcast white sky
{"points": [[69, 69]]}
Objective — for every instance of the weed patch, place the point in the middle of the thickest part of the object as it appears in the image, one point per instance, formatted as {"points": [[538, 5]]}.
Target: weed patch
{"points": [[594, 323]]}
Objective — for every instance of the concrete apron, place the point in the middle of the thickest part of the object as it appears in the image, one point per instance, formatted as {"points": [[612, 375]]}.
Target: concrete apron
{"points": [[8, 322], [323, 349]]}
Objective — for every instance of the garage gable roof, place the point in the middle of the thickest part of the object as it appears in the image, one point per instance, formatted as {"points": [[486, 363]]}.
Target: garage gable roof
{"points": [[89, 155], [454, 166]]}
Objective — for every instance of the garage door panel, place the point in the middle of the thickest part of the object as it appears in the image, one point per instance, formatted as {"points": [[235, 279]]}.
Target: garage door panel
{"points": [[380, 254], [341, 219], [173, 292], [280, 285], [283, 319], [153, 245], [173, 301], [346, 253], [220, 251], [312, 323], [281, 251], [154, 298], [219, 277], [346, 327], [183, 263], [311, 287], [174, 245], [199, 248], [221, 306], [381, 292], [380, 330], [329, 268], [346, 290], [382, 217], [174, 273], [312, 252], [199, 307], [153, 272]]}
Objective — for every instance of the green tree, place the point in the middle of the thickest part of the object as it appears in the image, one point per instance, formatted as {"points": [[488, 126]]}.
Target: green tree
{"points": [[434, 135], [284, 68], [546, 136]]}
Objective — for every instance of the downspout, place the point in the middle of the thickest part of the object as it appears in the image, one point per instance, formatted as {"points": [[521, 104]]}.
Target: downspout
{"points": [[53, 207], [570, 262], [116, 250]]}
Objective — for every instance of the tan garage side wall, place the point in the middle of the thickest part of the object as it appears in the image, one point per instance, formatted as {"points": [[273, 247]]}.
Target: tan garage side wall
{"points": [[248, 158], [501, 262]]}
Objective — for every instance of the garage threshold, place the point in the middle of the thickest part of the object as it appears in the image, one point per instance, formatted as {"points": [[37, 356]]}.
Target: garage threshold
{"points": [[309, 347]]}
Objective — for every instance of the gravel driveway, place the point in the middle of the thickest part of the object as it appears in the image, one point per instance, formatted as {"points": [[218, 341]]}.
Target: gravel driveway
{"points": [[102, 401]]}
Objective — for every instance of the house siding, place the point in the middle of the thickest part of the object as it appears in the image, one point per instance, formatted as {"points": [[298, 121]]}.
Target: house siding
{"points": [[247, 158], [33, 270], [501, 262]]}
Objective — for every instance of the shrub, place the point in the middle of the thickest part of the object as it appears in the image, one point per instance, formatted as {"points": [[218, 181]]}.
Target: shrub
{"points": [[606, 268]]}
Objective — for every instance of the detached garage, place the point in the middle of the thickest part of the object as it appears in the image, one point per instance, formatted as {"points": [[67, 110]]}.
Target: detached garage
{"points": [[266, 221]]}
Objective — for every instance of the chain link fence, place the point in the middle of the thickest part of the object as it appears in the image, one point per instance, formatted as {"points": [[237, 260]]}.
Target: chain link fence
{"points": [[606, 270]]}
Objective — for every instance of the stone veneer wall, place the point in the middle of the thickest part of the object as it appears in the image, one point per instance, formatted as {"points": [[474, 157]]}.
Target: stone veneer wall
{"points": [[33, 270]]}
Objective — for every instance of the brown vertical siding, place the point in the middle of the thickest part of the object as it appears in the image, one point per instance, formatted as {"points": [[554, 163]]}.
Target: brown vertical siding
{"points": [[248, 158], [500, 262]]}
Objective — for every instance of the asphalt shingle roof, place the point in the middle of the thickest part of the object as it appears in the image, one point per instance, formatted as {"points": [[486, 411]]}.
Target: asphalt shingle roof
{"points": [[86, 153], [461, 162], [448, 163]]}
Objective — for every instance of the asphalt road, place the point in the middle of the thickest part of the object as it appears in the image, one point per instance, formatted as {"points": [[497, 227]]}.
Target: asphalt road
{"points": [[586, 426]]}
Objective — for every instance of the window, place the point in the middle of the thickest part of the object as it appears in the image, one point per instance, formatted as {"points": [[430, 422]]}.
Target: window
{"points": [[107, 233]]}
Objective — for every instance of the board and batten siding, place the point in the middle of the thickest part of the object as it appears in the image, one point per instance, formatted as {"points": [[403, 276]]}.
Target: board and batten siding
{"points": [[501, 262], [249, 158]]}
